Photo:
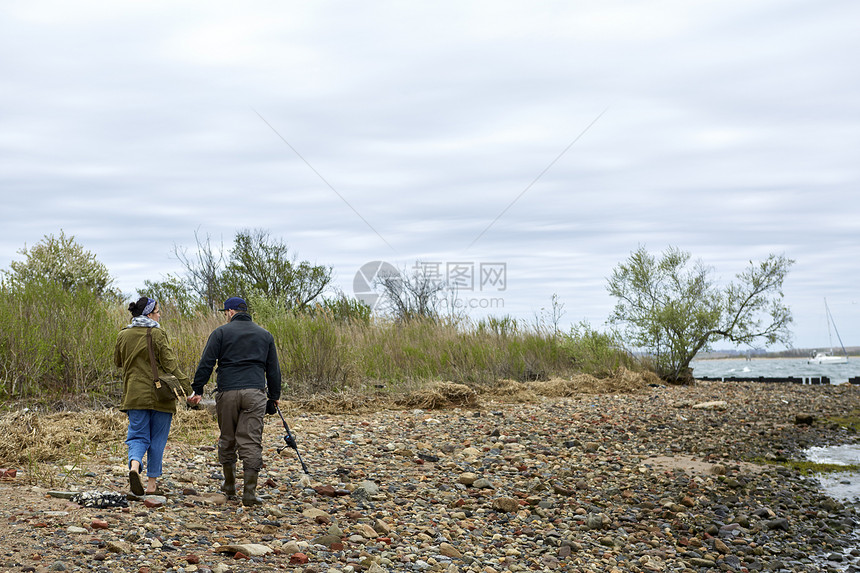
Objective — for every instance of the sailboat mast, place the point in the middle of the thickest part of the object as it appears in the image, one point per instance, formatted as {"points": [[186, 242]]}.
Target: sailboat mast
{"points": [[829, 322]]}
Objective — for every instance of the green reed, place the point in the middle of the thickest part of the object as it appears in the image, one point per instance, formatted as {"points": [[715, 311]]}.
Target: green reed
{"points": [[59, 344]]}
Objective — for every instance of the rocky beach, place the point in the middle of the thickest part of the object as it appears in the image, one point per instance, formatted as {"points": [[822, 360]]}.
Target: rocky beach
{"points": [[646, 478]]}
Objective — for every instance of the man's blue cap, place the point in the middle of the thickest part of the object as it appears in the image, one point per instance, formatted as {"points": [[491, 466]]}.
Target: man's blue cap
{"points": [[235, 303]]}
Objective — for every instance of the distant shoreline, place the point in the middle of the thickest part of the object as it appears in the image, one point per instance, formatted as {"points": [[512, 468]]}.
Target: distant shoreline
{"points": [[759, 357], [800, 353]]}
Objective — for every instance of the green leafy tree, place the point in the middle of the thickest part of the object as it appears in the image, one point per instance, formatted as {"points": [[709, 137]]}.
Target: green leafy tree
{"points": [[672, 311], [262, 266], [63, 261]]}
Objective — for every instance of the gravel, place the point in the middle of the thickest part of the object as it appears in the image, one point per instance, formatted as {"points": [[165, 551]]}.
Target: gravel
{"points": [[649, 481]]}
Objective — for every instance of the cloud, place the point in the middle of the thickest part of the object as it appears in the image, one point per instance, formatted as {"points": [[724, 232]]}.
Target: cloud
{"points": [[729, 131]]}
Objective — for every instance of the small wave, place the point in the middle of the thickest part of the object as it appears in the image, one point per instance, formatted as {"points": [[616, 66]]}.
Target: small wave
{"points": [[840, 485], [842, 455]]}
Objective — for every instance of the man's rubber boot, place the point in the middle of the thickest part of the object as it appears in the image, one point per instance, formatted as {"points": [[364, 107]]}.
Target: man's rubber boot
{"points": [[229, 485], [249, 495]]}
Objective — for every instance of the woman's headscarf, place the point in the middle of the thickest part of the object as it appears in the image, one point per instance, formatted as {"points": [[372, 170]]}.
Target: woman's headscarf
{"points": [[150, 306]]}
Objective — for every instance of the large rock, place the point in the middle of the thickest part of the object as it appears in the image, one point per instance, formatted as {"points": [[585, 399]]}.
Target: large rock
{"points": [[328, 540], [370, 487], [249, 549], [597, 521], [713, 405], [482, 483], [117, 546], [506, 504], [471, 454], [467, 478], [366, 531], [313, 513], [382, 527], [334, 529], [75, 530], [290, 547]]}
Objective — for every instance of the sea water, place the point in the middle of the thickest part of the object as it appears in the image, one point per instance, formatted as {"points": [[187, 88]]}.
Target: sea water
{"points": [[844, 486], [841, 486], [775, 368]]}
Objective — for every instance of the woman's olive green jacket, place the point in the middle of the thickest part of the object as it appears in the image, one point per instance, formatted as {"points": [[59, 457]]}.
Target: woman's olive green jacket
{"points": [[131, 354]]}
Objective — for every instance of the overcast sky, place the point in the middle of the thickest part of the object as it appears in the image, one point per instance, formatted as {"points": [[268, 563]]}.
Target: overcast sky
{"points": [[554, 138]]}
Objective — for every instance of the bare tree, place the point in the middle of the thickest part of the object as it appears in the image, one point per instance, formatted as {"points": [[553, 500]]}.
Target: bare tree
{"points": [[549, 319], [409, 296], [203, 270]]}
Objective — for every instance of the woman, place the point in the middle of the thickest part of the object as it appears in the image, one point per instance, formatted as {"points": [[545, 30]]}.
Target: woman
{"points": [[148, 417]]}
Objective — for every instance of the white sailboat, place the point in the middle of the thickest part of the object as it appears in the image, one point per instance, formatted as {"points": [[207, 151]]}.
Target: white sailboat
{"points": [[822, 357]]}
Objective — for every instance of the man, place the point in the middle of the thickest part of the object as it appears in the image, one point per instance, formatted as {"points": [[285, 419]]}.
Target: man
{"points": [[247, 365]]}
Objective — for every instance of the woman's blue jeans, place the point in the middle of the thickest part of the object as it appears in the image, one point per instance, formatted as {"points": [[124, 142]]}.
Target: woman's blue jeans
{"points": [[147, 434]]}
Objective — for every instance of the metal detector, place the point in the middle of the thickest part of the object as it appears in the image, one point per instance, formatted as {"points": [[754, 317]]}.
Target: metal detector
{"points": [[290, 441]]}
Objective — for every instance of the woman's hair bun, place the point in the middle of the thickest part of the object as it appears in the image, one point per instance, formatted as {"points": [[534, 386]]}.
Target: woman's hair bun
{"points": [[136, 308]]}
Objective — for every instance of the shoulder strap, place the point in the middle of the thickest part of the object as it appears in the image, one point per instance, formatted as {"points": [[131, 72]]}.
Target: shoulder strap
{"points": [[152, 362]]}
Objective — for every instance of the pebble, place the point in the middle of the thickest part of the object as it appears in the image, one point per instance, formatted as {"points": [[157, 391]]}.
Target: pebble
{"points": [[75, 530]]}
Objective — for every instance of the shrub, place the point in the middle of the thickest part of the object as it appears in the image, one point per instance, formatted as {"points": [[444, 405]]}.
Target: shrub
{"points": [[54, 341], [64, 262], [313, 354], [597, 353]]}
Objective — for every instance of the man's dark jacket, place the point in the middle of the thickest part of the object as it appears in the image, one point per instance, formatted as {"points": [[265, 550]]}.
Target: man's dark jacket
{"points": [[246, 357]]}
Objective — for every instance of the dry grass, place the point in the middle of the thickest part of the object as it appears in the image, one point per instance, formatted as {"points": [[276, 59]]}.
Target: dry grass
{"points": [[433, 396], [30, 437], [512, 392], [623, 381], [35, 438], [441, 395]]}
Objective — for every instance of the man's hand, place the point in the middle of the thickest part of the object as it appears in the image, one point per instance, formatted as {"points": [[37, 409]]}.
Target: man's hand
{"points": [[194, 399]]}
